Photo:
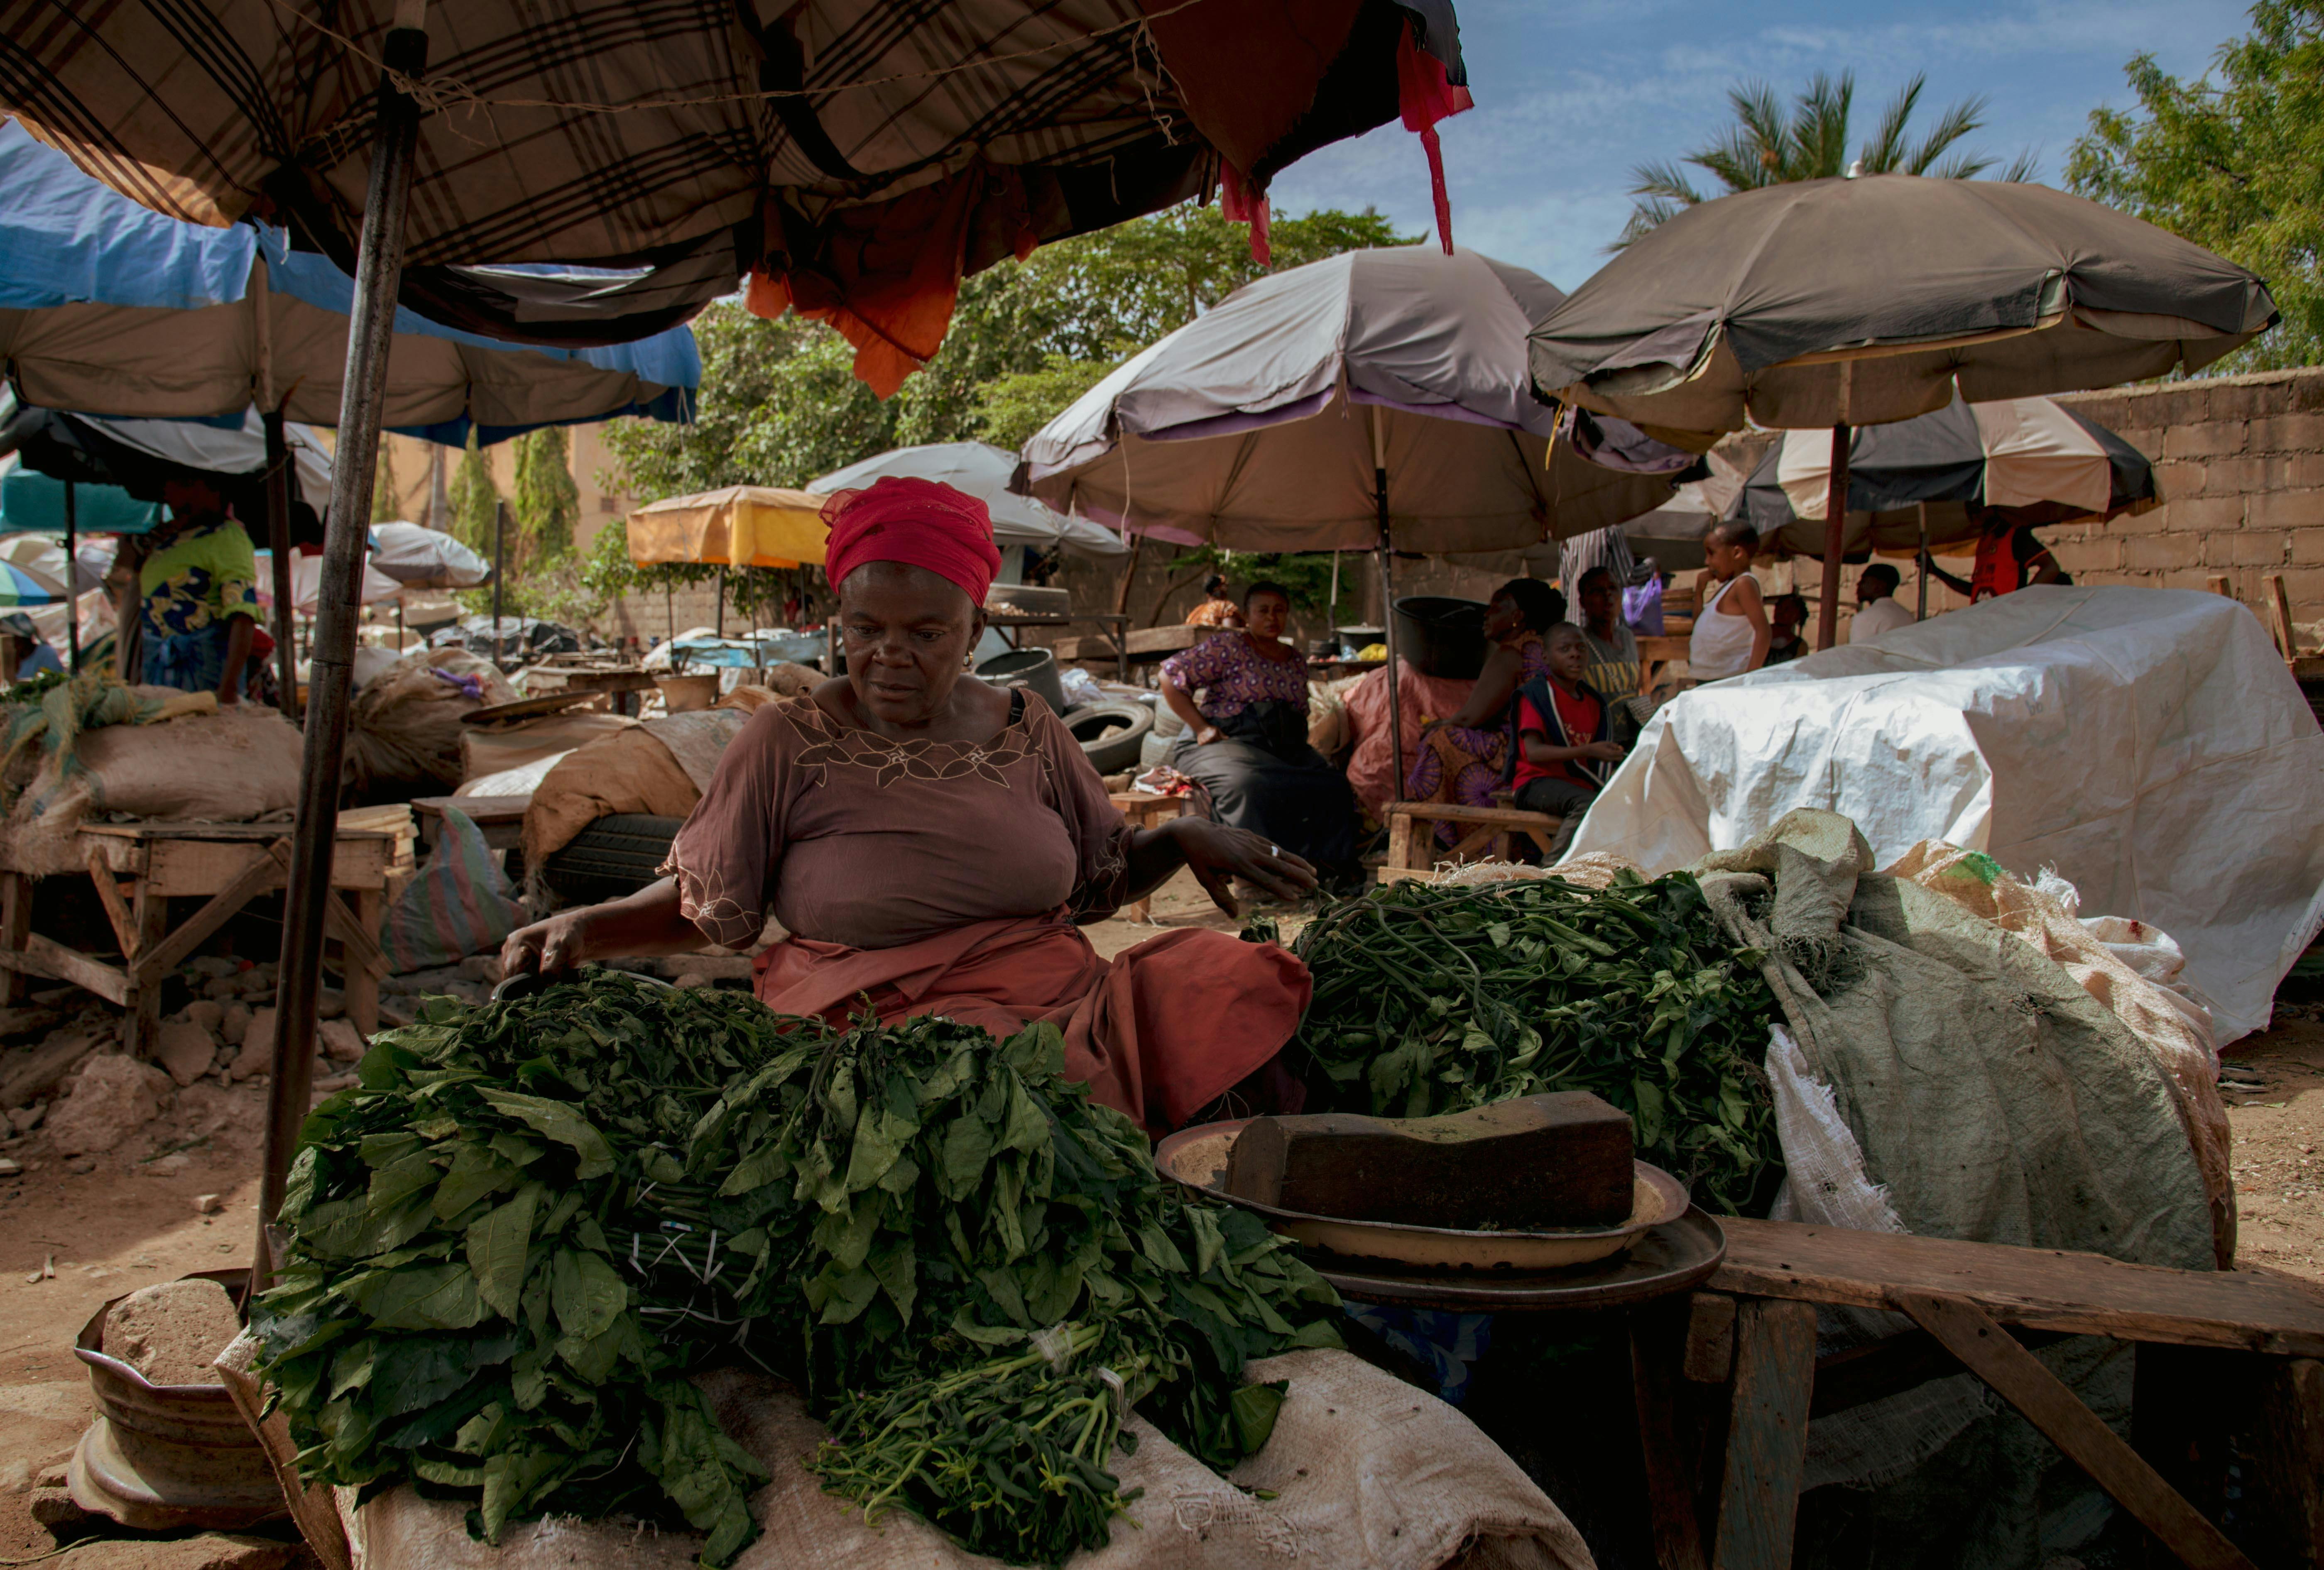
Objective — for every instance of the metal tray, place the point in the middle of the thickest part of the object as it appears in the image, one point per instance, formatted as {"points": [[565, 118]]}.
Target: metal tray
{"points": [[1197, 1158]]}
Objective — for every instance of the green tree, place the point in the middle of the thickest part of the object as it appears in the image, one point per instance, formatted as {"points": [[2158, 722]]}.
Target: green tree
{"points": [[1773, 143], [475, 499], [382, 488], [547, 503], [2235, 163]]}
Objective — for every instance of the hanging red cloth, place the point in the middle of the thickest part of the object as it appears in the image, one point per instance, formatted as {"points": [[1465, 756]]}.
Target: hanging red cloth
{"points": [[1238, 206], [1426, 96]]}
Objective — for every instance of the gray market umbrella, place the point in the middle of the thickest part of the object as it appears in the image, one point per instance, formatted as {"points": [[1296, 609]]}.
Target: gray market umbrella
{"points": [[982, 471], [1838, 302], [1374, 400], [857, 158]]}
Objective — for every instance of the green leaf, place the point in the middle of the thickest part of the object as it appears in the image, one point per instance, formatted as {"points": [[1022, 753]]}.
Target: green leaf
{"points": [[1254, 1407], [967, 1150], [393, 1183], [420, 1296], [1210, 1243], [1027, 1129], [477, 1172], [496, 1242], [586, 1292], [556, 1120]]}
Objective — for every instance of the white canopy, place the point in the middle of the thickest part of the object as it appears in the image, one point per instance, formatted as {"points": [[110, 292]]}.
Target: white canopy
{"points": [[420, 557], [982, 471], [1263, 424]]}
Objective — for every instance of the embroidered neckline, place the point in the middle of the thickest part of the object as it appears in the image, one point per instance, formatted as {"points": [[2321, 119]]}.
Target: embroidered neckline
{"points": [[830, 743]]}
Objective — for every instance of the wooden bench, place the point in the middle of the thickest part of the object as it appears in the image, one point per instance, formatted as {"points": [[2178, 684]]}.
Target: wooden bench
{"points": [[1412, 850], [1145, 810], [1741, 1356], [138, 869], [502, 817]]}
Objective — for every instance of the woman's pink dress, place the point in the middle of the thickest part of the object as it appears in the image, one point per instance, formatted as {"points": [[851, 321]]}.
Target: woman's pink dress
{"points": [[922, 878]]}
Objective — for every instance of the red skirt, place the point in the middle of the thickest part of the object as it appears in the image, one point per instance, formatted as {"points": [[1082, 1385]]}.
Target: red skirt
{"points": [[1159, 1032]]}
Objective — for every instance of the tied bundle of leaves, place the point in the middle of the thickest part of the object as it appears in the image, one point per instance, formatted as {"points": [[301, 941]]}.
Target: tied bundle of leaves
{"points": [[1432, 999], [526, 1224]]}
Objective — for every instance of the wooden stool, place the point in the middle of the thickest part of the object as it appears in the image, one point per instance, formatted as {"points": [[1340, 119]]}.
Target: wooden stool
{"points": [[1411, 838], [1144, 810]]}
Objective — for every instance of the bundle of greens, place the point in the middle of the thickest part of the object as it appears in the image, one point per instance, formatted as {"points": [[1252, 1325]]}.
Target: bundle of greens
{"points": [[1437, 998], [526, 1223]]}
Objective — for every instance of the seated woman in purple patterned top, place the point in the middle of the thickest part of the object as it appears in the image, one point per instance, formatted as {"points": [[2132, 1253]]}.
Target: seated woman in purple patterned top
{"points": [[1246, 740]]}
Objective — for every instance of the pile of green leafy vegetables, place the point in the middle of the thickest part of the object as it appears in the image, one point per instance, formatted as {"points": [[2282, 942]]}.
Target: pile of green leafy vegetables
{"points": [[525, 1224], [1433, 998]]}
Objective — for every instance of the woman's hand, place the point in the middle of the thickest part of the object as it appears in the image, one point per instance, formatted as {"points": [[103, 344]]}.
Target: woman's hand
{"points": [[1215, 853], [549, 947]]}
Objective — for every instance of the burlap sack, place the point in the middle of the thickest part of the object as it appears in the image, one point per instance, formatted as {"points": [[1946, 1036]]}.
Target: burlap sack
{"points": [[229, 765], [1368, 1474]]}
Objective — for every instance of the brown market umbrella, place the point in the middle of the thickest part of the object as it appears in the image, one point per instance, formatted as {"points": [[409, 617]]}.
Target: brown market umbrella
{"points": [[587, 173], [1835, 303]]}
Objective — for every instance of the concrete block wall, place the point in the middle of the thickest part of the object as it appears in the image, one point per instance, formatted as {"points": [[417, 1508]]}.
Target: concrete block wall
{"points": [[2239, 461]]}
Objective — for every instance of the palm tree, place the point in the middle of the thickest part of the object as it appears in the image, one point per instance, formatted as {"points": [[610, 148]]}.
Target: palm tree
{"points": [[1771, 144]]}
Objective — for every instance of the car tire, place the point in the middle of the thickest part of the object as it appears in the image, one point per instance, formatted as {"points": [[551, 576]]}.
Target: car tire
{"points": [[614, 856], [1118, 751]]}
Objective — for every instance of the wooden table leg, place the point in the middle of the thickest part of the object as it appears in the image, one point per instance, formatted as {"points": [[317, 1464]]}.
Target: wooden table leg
{"points": [[1658, 1342], [2291, 1458], [363, 986], [145, 997], [1767, 1434], [15, 929], [1400, 826]]}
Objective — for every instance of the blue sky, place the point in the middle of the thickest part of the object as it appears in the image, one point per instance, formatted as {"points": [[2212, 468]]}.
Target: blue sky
{"points": [[1570, 97]]}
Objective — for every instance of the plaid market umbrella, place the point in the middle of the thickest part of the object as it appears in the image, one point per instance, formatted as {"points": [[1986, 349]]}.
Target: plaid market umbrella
{"points": [[1832, 303], [856, 157]]}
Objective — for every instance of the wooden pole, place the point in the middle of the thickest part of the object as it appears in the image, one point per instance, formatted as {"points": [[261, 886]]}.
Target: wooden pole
{"points": [[278, 544], [1835, 529], [72, 581], [379, 269], [1387, 617], [1920, 612], [500, 567]]}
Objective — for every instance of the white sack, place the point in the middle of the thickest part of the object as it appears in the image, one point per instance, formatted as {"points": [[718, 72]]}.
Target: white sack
{"points": [[2148, 744]]}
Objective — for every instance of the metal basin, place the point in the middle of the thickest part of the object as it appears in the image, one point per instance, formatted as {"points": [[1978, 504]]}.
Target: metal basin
{"points": [[160, 1457], [1197, 1158]]}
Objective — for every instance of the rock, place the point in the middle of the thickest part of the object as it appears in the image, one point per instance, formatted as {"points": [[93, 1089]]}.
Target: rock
{"points": [[208, 1014], [9, 1168], [233, 1022], [257, 1054], [113, 1098], [36, 1073], [208, 1551], [168, 1166], [80, 1166], [341, 1042], [25, 1119], [329, 1005], [221, 987], [51, 1506], [26, 1022], [259, 978], [173, 1331], [185, 1049], [212, 965], [208, 1204]]}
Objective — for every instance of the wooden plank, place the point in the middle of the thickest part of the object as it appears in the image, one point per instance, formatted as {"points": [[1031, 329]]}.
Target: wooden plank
{"points": [[1660, 1342], [191, 869], [1709, 1338], [1398, 874], [47, 958], [2045, 1289], [1160, 640], [261, 873], [16, 926], [2291, 1459], [2218, 584], [108, 895], [362, 980], [1766, 1435], [2279, 615], [1499, 817], [482, 810], [1400, 836], [145, 1000], [2021, 1379]]}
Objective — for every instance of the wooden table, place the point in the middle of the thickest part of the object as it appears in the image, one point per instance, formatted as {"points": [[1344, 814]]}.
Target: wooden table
{"points": [[1739, 1357], [623, 684], [1654, 654], [1145, 810], [1117, 642], [138, 869], [502, 817]]}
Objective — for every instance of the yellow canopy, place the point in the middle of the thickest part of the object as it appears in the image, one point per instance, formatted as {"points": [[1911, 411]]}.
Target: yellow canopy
{"points": [[742, 526]]}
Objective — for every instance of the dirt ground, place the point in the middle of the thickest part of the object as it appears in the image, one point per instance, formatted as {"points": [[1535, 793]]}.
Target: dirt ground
{"points": [[131, 1217]]}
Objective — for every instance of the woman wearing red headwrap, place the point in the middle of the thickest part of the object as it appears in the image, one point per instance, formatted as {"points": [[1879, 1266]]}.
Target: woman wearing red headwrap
{"points": [[929, 843]]}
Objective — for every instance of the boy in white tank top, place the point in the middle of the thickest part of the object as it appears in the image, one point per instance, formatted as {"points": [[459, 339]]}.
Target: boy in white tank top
{"points": [[1730, 624]]}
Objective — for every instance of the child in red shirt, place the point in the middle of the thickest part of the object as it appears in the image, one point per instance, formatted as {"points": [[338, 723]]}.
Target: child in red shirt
{"points": [[1564, 758]]}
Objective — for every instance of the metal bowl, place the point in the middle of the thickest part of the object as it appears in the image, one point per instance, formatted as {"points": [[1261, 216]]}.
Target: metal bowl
{"points": [[160, 1457], [1197, 1158]]}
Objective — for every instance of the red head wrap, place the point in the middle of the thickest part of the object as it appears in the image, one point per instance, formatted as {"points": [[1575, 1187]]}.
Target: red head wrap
{"points": [[923, 523]]}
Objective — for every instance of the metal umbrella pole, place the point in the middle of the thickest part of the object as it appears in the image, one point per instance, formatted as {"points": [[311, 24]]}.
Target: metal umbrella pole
{"points": [[72, 568], [278, 544], [379, 269], [1388, 608], [1921, 612]]}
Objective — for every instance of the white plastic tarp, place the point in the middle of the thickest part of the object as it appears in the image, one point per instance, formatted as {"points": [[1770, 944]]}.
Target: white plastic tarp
{"points": [[2149, 744]]}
